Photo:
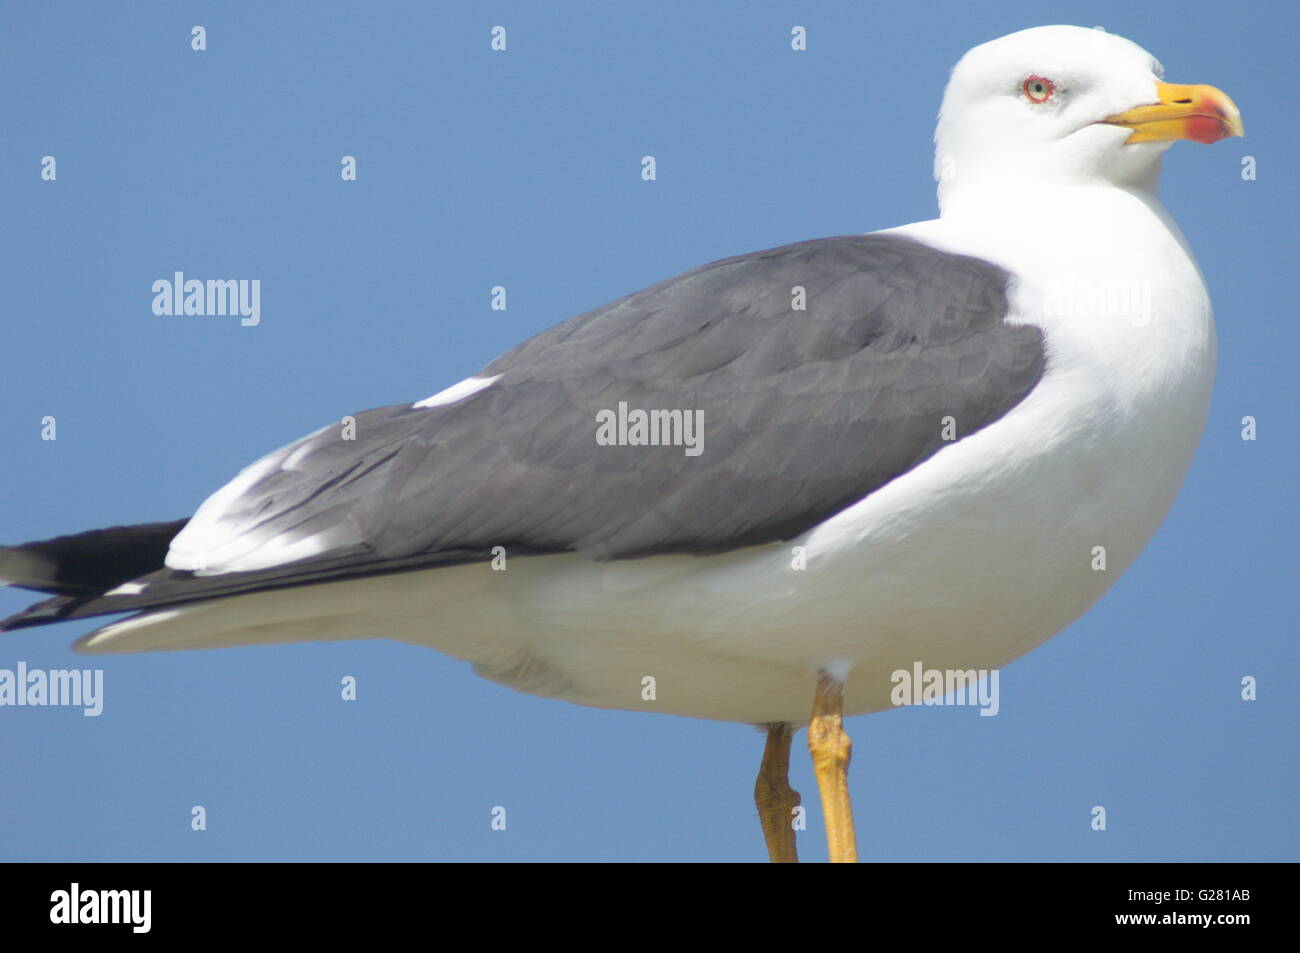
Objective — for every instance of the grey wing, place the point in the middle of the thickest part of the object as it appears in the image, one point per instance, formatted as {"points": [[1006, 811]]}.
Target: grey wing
{"points": [[804, 412]]}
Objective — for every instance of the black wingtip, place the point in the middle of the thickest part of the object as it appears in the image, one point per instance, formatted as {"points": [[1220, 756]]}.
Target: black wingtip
{"points": [[42, 613], [88, 563]]}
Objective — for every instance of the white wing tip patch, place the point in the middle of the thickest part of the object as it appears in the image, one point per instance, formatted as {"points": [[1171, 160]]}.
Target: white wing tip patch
{"points": [[466, 388], [208, 544], [127, 589]]}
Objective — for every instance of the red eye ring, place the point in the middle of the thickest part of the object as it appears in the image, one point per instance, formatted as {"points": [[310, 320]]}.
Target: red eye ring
{"points": [[1038, 89]]}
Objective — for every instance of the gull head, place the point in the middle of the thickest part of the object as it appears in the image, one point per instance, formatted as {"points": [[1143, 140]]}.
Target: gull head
{"points": [[1066, 105]]}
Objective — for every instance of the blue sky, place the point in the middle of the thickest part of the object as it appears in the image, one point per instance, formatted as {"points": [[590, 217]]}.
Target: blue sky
{"points": [[522, 169]]}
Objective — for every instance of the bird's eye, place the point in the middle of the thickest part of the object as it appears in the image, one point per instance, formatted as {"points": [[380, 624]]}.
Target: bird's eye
{"points": [[1038, 89]]}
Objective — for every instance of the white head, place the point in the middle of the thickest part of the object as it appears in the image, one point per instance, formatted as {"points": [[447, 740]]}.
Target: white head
{"points": [[1066, 105]]}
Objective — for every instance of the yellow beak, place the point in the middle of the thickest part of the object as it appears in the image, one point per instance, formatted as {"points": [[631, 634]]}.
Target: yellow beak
{"points": [[1199, 113]]}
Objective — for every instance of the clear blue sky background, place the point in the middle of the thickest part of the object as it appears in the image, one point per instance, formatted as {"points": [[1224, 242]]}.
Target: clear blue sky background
{"points": [[522, 169]]}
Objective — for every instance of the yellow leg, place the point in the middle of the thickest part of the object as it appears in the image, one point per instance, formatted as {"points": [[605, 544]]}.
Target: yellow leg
{"points": [[831, 751], [775, 798]]}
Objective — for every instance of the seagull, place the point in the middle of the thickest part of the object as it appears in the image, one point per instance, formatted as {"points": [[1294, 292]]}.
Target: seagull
{"points": [[757, 491]]}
